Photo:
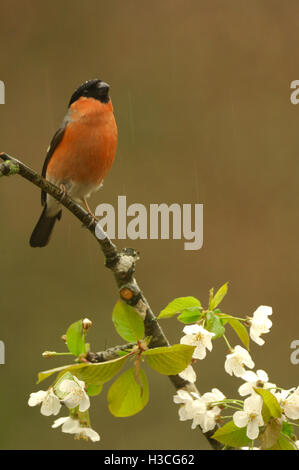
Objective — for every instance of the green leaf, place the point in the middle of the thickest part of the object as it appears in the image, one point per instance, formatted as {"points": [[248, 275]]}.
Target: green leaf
{"points": [[214, 324], [93, 389], [190, 315], [127, 322], [283, 443], [169, 360], [101, 372], [231, 435], [91, 373], [125, 396], [287, 429], [239, 328], [75, 339], [47, 373], [271, 407], [178, 305], [271, 433], [218, 297]]}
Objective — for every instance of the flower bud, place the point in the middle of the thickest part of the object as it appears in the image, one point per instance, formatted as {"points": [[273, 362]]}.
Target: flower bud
{"points": [[86, 324], [49, 353]]}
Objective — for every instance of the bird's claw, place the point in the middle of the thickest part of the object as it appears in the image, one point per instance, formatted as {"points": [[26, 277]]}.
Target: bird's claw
{"points": [[63, 192]]}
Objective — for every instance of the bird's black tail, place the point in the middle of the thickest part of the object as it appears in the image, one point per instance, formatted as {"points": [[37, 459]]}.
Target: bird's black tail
{"points": [[41, 234]]}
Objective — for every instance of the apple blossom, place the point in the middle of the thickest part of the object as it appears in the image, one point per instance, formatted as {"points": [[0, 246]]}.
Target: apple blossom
{"points": [[199, 408], [260, 324], [186, 401], [50, 402], [197, 336], [251, 416], [204, 414], [72, 426], [214, 396], [236, 360], [68, 424], [88, 433], [188, 374], [73, 393], [281, 395], [291, 405], [252, 379], [207, 419]]}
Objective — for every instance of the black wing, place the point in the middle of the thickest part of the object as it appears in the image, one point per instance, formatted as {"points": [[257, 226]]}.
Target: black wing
{"points": [[57, 138]]}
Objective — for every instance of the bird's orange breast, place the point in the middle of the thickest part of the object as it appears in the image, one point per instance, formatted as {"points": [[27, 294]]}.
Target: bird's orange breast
{"points": [[87, 149]]}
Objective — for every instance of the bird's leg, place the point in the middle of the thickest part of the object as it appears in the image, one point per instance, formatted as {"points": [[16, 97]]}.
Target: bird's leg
{"points": [[63, 192], [94, 219], [87, 207]]}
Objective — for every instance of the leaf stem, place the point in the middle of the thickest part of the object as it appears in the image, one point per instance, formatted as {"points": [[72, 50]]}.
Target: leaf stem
{"points": [[227, 343]]}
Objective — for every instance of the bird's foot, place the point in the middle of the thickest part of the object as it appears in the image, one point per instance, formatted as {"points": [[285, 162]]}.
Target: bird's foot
{"points": [[63, 192], [94, 219]]}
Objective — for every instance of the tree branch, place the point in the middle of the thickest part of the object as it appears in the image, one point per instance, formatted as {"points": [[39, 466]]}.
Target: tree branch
{"points": [[121, 263], [109, 354]]}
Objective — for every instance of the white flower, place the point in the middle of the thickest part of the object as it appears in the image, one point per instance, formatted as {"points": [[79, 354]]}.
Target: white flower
{"points": [[74, 394], [258, 379], [206, 420], [89, 434], [188, 374], [214, 395], [260, 324], [236, 360], [197, 336], [281, 395], [72, 426], [251, 416], [50, 402], [37, 397], [69, 425], [199, 409], [297, 445], [291, 405], [205, 414], [184, 398]]}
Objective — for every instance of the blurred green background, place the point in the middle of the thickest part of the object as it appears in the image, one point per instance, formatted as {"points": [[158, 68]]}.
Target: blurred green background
{"points": [[201, 91]]}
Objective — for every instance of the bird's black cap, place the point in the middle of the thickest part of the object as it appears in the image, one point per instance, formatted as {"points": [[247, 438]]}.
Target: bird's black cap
{"points": [[96, 89]]}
